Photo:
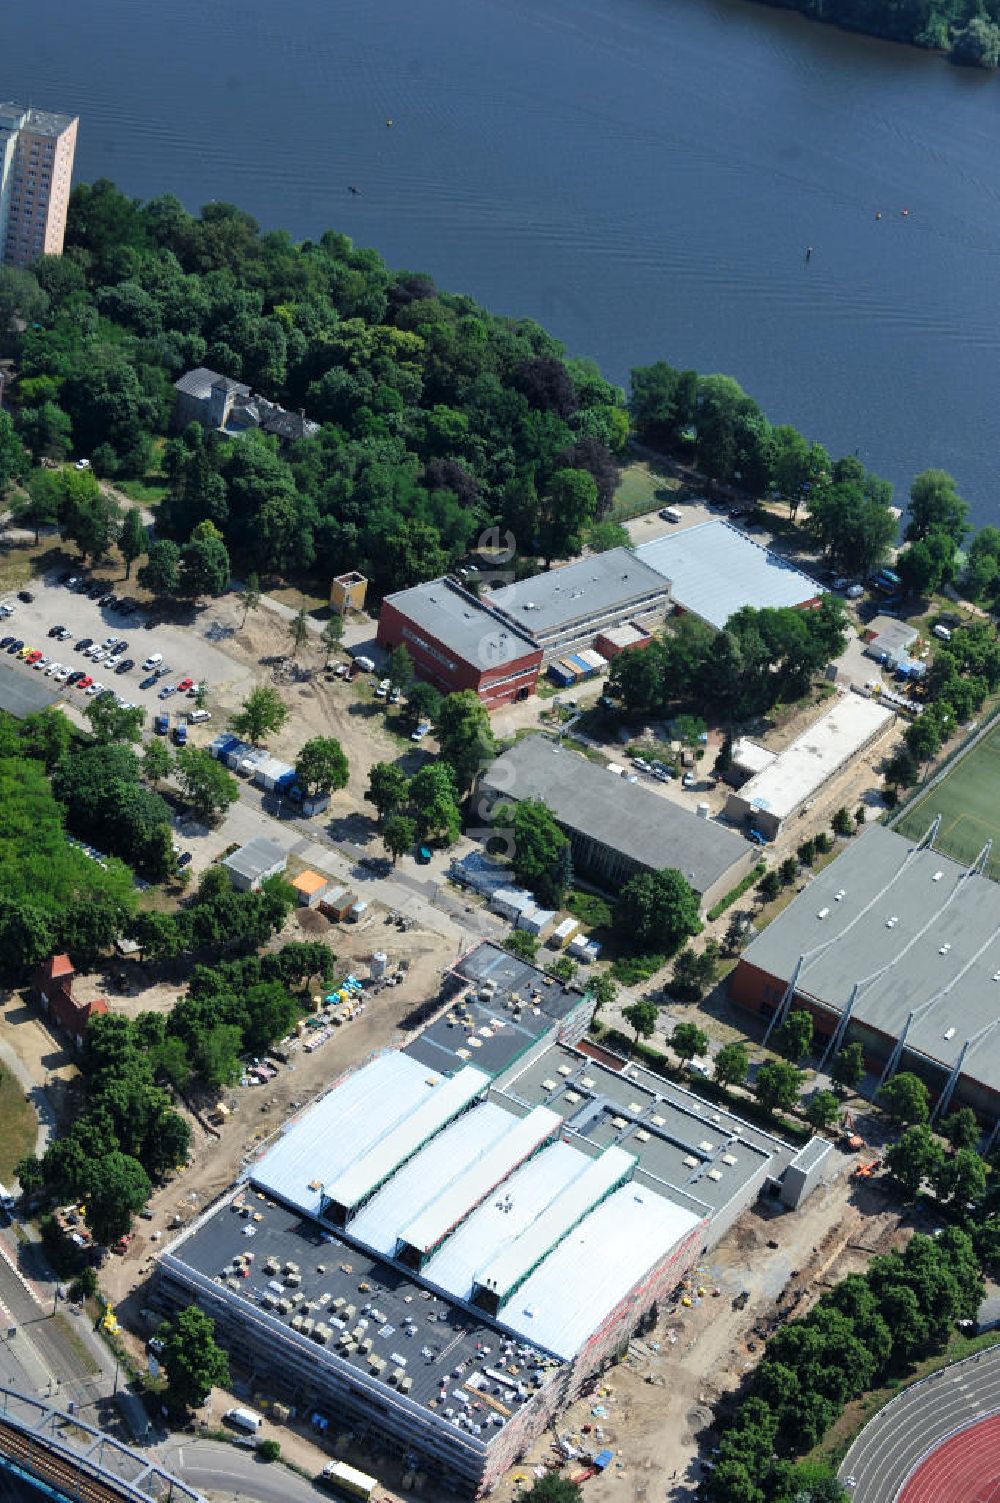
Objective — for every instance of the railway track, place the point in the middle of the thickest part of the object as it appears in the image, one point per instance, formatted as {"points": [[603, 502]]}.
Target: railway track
{"points": [[73, 1477]]}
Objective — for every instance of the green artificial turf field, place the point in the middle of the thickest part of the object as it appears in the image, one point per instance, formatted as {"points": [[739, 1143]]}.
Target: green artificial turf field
{"points": [[968, 801]]}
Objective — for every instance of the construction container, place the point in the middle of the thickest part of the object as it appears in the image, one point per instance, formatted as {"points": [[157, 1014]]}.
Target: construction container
{"points": [[563, 933], [702, 810], [380, 964], [560, 675], [338, 902], [358, 911]]}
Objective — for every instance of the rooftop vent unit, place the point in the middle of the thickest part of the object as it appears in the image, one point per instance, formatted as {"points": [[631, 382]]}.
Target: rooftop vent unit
{"points": [[641, 1136], [996, 975], [690, 1161], [839, 897], [715, 1175], [937, 876], [892, 921], [949, 1034], [823, 913], [945, 948]]}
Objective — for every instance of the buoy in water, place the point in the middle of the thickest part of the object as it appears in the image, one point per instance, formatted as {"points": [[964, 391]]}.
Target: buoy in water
{"points": [[906, 213], [389, 123], [878, 214]]}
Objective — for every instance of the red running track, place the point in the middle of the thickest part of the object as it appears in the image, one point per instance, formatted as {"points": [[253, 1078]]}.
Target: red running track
{"points": [[964, 1469]]}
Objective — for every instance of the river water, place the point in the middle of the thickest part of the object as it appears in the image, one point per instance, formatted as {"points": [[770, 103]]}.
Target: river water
{"points": [[642, 176]]}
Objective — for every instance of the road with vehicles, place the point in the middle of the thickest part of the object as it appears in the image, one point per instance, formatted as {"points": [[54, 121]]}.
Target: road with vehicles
{"points": [[916, 1422]]}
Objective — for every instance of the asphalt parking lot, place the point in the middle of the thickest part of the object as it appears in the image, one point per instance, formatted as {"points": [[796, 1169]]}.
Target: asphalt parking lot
{"points": [[187, 650]]}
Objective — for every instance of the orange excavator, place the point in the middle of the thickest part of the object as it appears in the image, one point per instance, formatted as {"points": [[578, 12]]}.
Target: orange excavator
{"points": [[865, 1171], [850, 1140]]}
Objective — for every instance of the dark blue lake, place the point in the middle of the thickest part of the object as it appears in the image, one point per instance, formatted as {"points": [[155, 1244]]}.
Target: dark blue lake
{"points": [[642, 176]]}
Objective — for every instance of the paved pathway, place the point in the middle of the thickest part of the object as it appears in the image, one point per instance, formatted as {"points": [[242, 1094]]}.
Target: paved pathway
{"points": [[916, 1421]]}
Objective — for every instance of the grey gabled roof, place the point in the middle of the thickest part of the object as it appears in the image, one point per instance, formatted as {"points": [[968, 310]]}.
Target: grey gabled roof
{"points": [[647, 827], [199, 383], [257, 856]]}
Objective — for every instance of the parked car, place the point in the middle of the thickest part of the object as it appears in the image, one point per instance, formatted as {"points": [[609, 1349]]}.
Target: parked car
{"points": [[184, 685], [95, 688], [184, 859], [84, 643], [84, 681], [125, 665], [41, 661], [5, 643], [26, 596], [32, 657], [167, 690], [82, 464], [148, 682], [15, 646], [421, 731], [108, 599]]}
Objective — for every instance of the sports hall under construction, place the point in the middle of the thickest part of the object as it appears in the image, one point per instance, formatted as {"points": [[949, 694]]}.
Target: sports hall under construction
{"points": [[443, 1249]]}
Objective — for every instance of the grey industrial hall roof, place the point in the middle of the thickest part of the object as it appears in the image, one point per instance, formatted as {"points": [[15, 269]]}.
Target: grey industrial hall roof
{"points": [[715, 569], [258, 855], [23, 693], [589, 587], [647, 827], [461, 623], [917, 930], [447, 1344]]}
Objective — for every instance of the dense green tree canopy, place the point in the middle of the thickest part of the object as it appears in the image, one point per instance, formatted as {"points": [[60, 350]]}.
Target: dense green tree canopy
{"points": [[657, 911]]}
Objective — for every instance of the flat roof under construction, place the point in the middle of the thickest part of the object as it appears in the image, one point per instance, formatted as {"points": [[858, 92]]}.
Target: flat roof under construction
{"points": [[520, 1137], [447, 1096], [816, 755], [325, 1139], [439, 1346]]}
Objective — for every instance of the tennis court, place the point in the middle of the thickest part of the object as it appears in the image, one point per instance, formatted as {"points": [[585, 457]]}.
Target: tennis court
{"points": [[968, 801]]}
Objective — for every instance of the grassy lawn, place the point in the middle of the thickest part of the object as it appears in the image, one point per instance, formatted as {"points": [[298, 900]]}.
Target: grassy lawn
{"points": [[966, 801], [149, 491], [18, 1125], [643, 487], [314, 605]]}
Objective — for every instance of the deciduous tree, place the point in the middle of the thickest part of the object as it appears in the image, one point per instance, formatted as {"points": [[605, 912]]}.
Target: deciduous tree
{"points": [[262, 715]]}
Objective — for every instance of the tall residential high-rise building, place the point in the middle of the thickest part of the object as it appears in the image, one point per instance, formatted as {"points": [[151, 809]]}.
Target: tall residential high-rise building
{"points": [[36, 165]]}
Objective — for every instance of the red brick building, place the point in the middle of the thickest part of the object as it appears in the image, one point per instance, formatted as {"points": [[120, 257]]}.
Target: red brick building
{"points": [[53, 985], [456, 642]]}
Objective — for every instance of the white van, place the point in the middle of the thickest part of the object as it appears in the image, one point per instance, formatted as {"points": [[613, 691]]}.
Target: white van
{"points": [[943, 632], [244, 1419], [153, 661], [198, 717], [671, 514]]}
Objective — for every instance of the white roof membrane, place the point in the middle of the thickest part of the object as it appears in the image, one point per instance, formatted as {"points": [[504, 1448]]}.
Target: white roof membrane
{"points": [[577, 1196], [420, 1183], [501, 1218], [573, 1291], [480, 1174], [368, 1169], [324, 1140]]}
